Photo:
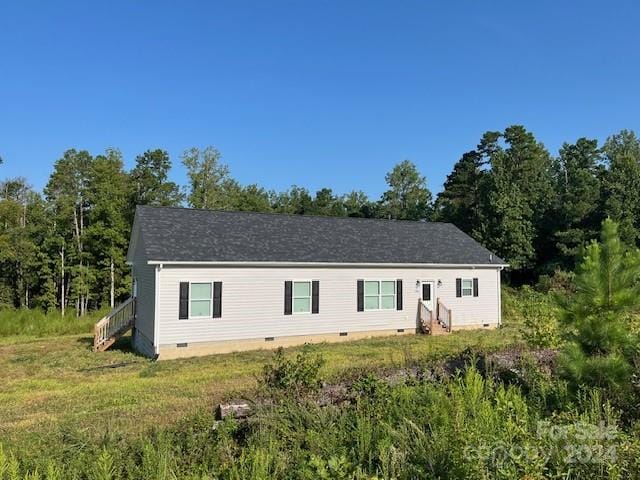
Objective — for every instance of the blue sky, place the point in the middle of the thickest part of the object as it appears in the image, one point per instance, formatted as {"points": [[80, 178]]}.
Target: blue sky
{"points": [[313, 93]]}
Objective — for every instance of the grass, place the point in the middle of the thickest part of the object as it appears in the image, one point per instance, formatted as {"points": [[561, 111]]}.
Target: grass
{"points": [[22, 324], [55, 384]]}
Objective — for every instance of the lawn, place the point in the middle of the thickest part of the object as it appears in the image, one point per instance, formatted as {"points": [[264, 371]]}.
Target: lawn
{"points": [[54, 385]]}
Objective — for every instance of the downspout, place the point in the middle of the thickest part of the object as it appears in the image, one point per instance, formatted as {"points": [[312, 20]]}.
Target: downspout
{"points": [[500, 296], [156, 312]]}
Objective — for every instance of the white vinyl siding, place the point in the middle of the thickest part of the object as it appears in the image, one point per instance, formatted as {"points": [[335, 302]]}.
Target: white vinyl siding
{"points": [[302, 297], [253, 301]]}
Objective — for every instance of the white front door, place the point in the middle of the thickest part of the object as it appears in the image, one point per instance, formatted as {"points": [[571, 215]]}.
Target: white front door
{"points": [[427, 294]]}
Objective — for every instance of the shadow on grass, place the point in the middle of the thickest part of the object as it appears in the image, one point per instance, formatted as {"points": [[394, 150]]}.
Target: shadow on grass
{"points": [[123, 345]]}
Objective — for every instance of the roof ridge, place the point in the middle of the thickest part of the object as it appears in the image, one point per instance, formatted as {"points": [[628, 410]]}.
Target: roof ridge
{"points": [[295, 215]]}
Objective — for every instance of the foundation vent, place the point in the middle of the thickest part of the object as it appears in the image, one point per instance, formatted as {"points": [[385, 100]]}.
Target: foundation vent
{"points": [[401, 330], [269, 339], [343, 334], [182, 345]]}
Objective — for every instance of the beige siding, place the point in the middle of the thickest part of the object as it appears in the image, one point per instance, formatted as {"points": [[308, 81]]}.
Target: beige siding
{"points": [[253, 301], [145, 301]]}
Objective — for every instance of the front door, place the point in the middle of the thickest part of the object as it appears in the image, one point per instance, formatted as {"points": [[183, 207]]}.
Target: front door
{"points": [[427, 294]]}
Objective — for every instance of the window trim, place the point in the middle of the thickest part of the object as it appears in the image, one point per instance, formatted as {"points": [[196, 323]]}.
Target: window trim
{"points": [[462, 287], [380, 294], [293, 296], [201, 299]]}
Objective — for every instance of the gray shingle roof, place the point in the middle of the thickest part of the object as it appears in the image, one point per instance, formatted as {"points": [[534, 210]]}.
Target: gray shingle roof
{"points": [[190, 235]]}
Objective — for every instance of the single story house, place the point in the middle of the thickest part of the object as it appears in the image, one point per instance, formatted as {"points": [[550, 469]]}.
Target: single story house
{"points": [[217, 281]]}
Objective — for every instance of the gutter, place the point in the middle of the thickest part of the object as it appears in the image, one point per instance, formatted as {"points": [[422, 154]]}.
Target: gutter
{"points": [[328, 264]]}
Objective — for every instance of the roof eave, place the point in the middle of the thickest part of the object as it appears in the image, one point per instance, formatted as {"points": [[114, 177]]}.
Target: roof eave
{"points": [[326, 264]]}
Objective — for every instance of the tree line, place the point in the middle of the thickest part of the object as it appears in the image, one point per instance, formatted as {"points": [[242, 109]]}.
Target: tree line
{"points": [[64, 248]]}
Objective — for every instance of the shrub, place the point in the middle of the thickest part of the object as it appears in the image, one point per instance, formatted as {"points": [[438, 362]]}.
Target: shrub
{"points": [[298, 376], [541, 328]]}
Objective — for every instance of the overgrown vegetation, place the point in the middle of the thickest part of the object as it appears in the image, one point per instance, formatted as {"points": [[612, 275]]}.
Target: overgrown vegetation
{"points": [[36, 323]]}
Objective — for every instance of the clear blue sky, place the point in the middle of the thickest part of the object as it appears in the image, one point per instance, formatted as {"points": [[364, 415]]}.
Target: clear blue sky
{"points": [[313, 93]]}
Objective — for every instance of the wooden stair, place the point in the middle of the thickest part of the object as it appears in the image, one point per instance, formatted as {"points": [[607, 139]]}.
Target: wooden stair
{"points": [[435, 323], [114, 325]]}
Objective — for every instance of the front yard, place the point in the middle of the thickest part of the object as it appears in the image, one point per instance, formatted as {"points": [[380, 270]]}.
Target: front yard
{"points": [[55, 385]]}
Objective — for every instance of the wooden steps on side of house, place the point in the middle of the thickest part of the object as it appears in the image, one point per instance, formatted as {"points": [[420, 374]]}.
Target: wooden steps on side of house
{"points": [[114, 325]]}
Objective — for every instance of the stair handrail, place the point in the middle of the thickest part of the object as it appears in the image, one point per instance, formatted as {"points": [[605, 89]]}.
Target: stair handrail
{"points": [[118, 319], [444, 314], [426, 316]]}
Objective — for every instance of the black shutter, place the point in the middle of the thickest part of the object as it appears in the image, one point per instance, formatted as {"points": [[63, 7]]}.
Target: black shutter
{"points": [[288, 290], [475, 287], [458, 287], [315, 296], [360, 295], [398, 294], [426, 292], [184, 300], [217, 299]]}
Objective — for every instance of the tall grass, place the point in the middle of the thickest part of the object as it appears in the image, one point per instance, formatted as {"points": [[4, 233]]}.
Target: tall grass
{"points": [[466, 427], [36, 323]]}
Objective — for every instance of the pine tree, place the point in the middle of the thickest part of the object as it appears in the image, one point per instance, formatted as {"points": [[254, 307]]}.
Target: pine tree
{"points": [[460, 200], [149, 179], [598, 315], [517, 197]]}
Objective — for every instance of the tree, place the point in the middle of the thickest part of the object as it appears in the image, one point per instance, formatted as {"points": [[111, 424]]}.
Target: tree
{"points": [[66, 192], [108, 192], [357, 204], [460, 200], [326, 203], [251, 198], [598, 315], [296, 200], [18, 251], [408, 197], [517, 197], [150, 184], [208, 177], [577, 210], [621, 183]]}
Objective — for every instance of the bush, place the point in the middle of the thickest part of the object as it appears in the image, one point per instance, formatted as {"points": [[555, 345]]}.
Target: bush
{"points": [[298, 376], [540, 319]]}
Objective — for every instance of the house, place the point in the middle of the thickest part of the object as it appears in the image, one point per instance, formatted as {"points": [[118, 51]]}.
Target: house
{"points": [[216, 281]]}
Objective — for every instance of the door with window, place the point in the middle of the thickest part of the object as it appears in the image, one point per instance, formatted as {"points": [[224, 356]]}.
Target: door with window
{"points": [[427, 294]]}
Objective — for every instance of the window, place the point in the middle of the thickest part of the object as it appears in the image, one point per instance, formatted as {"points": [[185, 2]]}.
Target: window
{"points": [[200, 300], [301, 297], [467, 287], [379, 295]]}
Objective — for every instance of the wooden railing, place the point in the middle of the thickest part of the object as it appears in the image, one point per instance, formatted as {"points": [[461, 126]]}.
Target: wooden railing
{"points": [[426, 317], [114, 325], [444, 315]]}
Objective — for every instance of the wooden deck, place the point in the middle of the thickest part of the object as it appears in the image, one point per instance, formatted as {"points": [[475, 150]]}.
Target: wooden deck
{"points": [[111, 327]]}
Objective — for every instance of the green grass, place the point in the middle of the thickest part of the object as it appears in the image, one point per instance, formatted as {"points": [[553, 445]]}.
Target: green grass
{"points": [[21, 324], [53, 383]]}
